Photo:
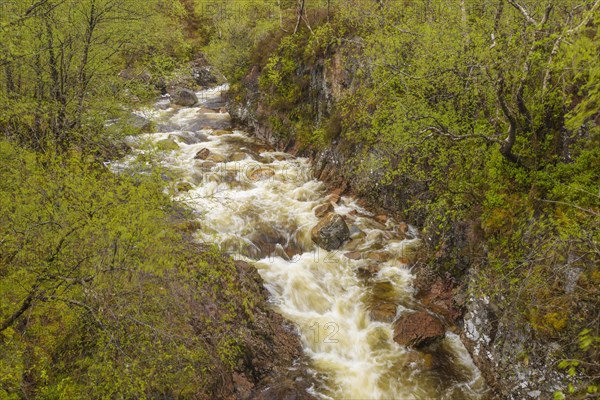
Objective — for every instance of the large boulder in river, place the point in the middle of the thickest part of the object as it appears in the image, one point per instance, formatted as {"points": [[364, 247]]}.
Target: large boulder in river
{"points": [[331, 232], [418, 329], [184, 97]]}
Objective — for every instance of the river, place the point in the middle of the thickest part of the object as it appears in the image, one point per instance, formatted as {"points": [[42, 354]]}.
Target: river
{"points": [[258, 205]]}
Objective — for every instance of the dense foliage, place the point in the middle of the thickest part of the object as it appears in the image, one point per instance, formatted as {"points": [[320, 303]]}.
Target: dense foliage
{"points": [[104, 294], [68, 67], [484, 114]]}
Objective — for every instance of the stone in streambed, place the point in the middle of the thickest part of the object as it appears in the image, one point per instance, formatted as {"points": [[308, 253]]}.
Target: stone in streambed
{"points": [[353, 255], [383, 312], [331, 232], [218, 158], [356, 233], [202, 154], [323, 209], [238, 156], [184, 187], [260, 174], [167, 145], [184, 97], [418, 329], [380, 256]]}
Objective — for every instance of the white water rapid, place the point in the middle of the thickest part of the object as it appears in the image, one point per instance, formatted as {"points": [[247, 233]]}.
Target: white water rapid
{"points": [[258, 205]]}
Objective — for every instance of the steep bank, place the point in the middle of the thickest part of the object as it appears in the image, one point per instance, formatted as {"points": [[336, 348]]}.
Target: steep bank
{"points": [[310, 103]]}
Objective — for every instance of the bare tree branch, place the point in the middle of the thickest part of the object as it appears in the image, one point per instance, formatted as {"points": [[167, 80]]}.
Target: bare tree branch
{"points": [[523, 11]]}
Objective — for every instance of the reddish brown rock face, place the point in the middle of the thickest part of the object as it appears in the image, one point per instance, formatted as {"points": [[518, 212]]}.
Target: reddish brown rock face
{"points": [[418, 329]]}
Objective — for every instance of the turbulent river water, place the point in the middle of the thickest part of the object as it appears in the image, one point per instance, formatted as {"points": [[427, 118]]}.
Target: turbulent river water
{"points": [[258, 205]]}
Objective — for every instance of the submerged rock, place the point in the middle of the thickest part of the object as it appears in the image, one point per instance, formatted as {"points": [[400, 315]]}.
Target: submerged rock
{"points": [[418, 329], [356, 233], [331, 232], [260, 174], [188, 137], [238, 156], [138, 122], [218, 158], [383, 312]]}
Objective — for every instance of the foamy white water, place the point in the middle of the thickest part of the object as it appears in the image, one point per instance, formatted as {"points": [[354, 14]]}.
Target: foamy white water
{"points": [[265, 218]]}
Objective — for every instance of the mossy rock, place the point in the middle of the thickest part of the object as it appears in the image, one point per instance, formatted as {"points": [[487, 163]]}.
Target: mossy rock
{"points": [[167, 145]]}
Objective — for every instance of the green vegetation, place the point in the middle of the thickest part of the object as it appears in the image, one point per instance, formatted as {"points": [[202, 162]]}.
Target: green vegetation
{"points": [[104, 294], [480, 118], [69, 67]]}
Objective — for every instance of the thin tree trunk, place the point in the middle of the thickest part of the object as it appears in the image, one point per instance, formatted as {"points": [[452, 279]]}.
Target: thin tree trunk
{"points": [[300, 13]]}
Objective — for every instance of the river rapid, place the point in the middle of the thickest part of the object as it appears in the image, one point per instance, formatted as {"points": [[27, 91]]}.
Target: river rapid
{"points": [[258, 205]]}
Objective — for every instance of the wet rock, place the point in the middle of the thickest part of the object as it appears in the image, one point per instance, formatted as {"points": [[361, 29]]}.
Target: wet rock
{"points": [[372, 224], [167, 145], [262, 148], [206, 165], [218, 158], [367, 271], [238, 156], [384, 290], [410, 249], [323, 209], [354, 244], [163, 128], [183, 187], [204, 110], [353, 255], [184, 97], [356, 233], [283, 156], [383, 312], [418, 329], [202, 154], [187, 138], [141, 124], [403, 227], [380, 256], [440, 295], [334, 198], [162, 104], [381, 218], [221, 132], [260, 174], [331, 232]]}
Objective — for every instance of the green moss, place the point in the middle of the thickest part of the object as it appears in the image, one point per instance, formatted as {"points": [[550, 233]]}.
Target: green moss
{"points": [[167, 145]]}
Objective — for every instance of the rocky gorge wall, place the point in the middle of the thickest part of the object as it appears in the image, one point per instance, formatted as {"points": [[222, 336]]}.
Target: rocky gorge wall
{"points": [[513, 363]]}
